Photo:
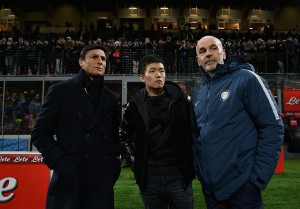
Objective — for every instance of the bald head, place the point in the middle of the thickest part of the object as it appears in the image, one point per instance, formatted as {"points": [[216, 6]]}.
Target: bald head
{"points": [[210, 52]]}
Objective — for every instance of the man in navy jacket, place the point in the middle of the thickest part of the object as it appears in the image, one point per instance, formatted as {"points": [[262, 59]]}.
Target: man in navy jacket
{"points": [[237, 131], [77, 134]]}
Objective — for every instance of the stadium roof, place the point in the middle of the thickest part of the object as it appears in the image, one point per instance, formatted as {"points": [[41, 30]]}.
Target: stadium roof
{"points": [[113, 5]]}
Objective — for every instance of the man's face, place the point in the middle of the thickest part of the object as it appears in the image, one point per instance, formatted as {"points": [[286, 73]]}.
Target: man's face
{"points": [[94, 63], [210, 53], [154, 76]]}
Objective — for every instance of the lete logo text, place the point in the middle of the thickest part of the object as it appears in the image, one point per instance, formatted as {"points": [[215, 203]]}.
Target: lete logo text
{"points": [[7, 185], [293, 101]]}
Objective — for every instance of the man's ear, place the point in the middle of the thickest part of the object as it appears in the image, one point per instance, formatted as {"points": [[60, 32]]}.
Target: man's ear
{"points": [[142, 78], [80, 62], [224, 54]]}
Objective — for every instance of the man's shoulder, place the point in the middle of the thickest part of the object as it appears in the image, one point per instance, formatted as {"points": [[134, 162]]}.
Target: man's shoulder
{"points": [[109, 92], [63, 85], [234, 66]]}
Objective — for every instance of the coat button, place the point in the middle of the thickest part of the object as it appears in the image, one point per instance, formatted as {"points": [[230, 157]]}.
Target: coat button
{"points": [[87, 135], [86, 156], [79, 115]]}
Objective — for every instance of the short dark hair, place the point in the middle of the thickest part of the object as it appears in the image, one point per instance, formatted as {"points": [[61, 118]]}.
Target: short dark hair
{"points": [[148, 59], [90, 47]]}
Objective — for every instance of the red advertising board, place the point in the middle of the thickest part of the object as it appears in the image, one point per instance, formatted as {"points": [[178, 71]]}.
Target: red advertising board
{"points": [[24, 180], [280, 164], [293, 123], [291, 99]]}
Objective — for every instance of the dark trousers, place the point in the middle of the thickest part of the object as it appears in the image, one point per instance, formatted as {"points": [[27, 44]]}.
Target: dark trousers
{"points": [[163, 192], [247, 197]]}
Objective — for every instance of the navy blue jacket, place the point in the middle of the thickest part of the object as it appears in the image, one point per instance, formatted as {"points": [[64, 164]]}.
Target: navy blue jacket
{"points": [[237, 131]]}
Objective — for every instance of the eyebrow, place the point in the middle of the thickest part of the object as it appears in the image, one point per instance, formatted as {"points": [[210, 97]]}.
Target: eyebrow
{"points": [[97, 55], [153, 68]]}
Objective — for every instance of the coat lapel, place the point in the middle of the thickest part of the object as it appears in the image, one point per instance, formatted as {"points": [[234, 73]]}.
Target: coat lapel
{"points": [[81, 101], [104, 106]]}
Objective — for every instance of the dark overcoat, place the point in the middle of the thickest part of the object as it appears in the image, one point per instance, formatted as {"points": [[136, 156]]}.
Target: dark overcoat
{"points": [[80, 144]]}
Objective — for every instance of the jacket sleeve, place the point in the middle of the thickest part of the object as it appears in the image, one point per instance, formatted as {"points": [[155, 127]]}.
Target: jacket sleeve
{"points": [[263, 110], [193, 122], [126, 135], [43, 133]]}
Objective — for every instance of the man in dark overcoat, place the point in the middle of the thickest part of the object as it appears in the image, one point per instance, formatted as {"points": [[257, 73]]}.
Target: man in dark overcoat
{"points": [[77, 134]]}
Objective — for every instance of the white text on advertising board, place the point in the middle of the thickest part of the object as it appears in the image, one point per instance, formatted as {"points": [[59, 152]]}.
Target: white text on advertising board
{"points": [[7, 185], [293, 101]]}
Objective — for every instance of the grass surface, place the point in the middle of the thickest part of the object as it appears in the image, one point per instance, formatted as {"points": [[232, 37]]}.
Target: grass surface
{"points": [[283, 191]]}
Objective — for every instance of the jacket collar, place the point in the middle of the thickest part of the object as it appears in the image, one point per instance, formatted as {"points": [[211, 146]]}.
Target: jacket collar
{"points": [[220, 71], [171, 88], [78, 93]]}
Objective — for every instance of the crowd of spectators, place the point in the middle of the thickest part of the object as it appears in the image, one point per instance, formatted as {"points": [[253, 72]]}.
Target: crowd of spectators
{"points": [[20, 111], [27, 53]]}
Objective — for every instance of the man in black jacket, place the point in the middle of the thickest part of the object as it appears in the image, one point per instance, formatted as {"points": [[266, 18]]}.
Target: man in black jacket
{"points": [[83, 115], [156, 139]]}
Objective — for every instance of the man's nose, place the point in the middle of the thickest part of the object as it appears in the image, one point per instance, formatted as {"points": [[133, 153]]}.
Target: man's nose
{"points": [[208, 53]]}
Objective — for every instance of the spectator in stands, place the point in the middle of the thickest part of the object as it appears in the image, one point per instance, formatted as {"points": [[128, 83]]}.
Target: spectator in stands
{"points": [[24, 103], [168, 55], [183, 53], [32, 93], [42, 49], [136, 55], [85, 154], [237, 131], [290, 49], [9, 56], [59, 56], [52, 55], [249, 51], [260, 45], [68, 52], [115, 59], [20, 46], [274, 56], [125, 57], [156, 139], [34, 108], [12, 110], [2, 59], [24, 115], [295, 56], [281, 59], [192, 64], [32, 62], [74, 55]]}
